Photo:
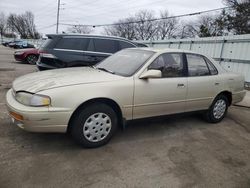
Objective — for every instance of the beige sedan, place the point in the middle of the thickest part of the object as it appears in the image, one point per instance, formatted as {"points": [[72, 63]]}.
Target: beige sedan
{"points": [[91, 102]]}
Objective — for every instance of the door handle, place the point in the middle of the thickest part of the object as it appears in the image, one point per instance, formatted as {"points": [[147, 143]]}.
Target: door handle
{"points": [[217, 83], [180, 85]]}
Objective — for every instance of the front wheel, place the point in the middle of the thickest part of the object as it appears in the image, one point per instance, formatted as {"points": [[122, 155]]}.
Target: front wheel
{"points": [[218, 109], [94, 125]]}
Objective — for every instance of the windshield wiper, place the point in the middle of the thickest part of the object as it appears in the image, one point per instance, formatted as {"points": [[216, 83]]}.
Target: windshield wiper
{"points": [[103, 69]]}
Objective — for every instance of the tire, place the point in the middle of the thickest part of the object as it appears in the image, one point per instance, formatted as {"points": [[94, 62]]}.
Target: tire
{"points": [[31, 59], [218, 109], [94, 125]]}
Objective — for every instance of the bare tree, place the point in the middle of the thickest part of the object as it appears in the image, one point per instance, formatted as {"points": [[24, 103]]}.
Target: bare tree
{"points": [[23, 24], [166, 28], [80, 29], [3, 24], [123, 28], [145, 29], [134, 27]]}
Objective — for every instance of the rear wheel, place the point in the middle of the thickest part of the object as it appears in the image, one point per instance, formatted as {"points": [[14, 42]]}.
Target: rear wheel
{"points": [[94, 125], [218, 109], [32, 59]]}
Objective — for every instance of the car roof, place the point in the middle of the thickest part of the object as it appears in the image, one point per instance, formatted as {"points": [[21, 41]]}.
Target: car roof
{"points": [[89, 35], [166, 50]]}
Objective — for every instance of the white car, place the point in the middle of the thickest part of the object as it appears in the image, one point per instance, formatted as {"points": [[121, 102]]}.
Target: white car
{"points": [[91, 102]]}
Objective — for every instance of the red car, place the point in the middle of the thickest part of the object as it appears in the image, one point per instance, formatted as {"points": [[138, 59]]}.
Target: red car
{"points": [[27, 55]]}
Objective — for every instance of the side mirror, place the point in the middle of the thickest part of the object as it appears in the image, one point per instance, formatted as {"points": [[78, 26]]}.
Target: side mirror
{"points": [[151, 74]]}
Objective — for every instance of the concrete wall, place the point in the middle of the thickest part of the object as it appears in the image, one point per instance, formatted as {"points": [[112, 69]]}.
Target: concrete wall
{"points": [[232, 52]]}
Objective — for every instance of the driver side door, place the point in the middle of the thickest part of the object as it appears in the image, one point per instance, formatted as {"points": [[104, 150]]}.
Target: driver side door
{"points": [[165, 95]]}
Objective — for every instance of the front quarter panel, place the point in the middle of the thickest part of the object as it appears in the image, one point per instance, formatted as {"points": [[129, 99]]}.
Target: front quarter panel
{"points": [[69, 98]]}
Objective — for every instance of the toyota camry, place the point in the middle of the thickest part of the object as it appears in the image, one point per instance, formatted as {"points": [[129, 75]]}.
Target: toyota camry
{"points": [[92, 102]]}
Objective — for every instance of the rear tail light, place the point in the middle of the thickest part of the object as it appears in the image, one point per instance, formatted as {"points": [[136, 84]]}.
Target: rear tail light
{"points": [[46, 54]]}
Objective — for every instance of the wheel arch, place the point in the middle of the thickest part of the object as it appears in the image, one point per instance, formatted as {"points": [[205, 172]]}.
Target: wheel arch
{"points": [[114, 105], [26, 55], [227, 94]]}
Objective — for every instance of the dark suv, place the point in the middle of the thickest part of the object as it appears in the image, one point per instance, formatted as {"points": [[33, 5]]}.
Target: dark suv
{"points": [[63, 50]]}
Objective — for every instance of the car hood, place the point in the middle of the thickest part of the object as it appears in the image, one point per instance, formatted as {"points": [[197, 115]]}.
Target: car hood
{"points": [[44, 80]]}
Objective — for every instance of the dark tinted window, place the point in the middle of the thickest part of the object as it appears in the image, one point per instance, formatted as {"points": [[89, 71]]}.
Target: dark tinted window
{"points": [[106, 45], [197, 66], [125, 45], [73, 43], [213, 70], [91, 46], [171, 65]]}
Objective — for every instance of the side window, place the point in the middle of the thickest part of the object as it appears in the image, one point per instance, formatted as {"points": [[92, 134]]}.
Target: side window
{"points": [[171, 65], [125, 45], [91, 46], [106, 45], [197, 66], [73, 43], [212, 68]]}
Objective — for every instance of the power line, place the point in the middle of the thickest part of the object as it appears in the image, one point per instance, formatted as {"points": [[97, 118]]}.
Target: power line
{"points": [[116, 8], [151, 20]]}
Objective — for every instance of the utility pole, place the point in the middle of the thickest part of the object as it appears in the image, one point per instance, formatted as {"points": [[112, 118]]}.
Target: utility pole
{"points": [[57, 18]]}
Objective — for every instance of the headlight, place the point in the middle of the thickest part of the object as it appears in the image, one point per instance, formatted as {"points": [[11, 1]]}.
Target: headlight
{"points": [[18, 53], [30, 99]]}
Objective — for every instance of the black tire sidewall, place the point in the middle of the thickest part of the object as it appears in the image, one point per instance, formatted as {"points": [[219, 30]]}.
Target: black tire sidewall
{"points": [[210, 114], [83, 114]]}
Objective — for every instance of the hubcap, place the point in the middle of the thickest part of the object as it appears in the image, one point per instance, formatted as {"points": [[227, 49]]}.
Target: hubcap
{"points": [[219, 108], [97, 127]]}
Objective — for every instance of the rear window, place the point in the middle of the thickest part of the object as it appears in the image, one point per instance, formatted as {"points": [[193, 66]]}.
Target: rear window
{"points": [[46, 43], [106, 45], [73, 43], [213, 70]]}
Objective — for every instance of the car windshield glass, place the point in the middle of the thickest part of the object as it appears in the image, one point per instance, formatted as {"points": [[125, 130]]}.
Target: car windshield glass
{"points": [[125, 62]]}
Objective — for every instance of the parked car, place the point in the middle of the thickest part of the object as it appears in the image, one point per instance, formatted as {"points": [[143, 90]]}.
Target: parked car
{"points": [[12, 43], [27, 55], [91, 102], [22, 44], [5, 43], [66, 50]]}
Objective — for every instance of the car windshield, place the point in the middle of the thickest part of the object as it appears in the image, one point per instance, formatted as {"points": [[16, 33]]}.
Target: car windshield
{"points": [[125, 62]]}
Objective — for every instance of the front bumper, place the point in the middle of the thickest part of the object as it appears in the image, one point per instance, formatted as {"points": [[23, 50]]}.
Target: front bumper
{"points": [[37, 119]]}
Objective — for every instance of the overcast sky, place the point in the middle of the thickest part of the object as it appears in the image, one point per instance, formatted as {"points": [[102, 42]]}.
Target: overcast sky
{"points": [[98, 11]]}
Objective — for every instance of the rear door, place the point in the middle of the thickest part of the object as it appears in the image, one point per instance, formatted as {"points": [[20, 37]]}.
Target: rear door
{"points": [[70, 51], [202, 83], [100, 48]]}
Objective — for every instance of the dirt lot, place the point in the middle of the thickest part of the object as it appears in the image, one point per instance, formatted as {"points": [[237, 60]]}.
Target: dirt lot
{"points": [[176, 151]]}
